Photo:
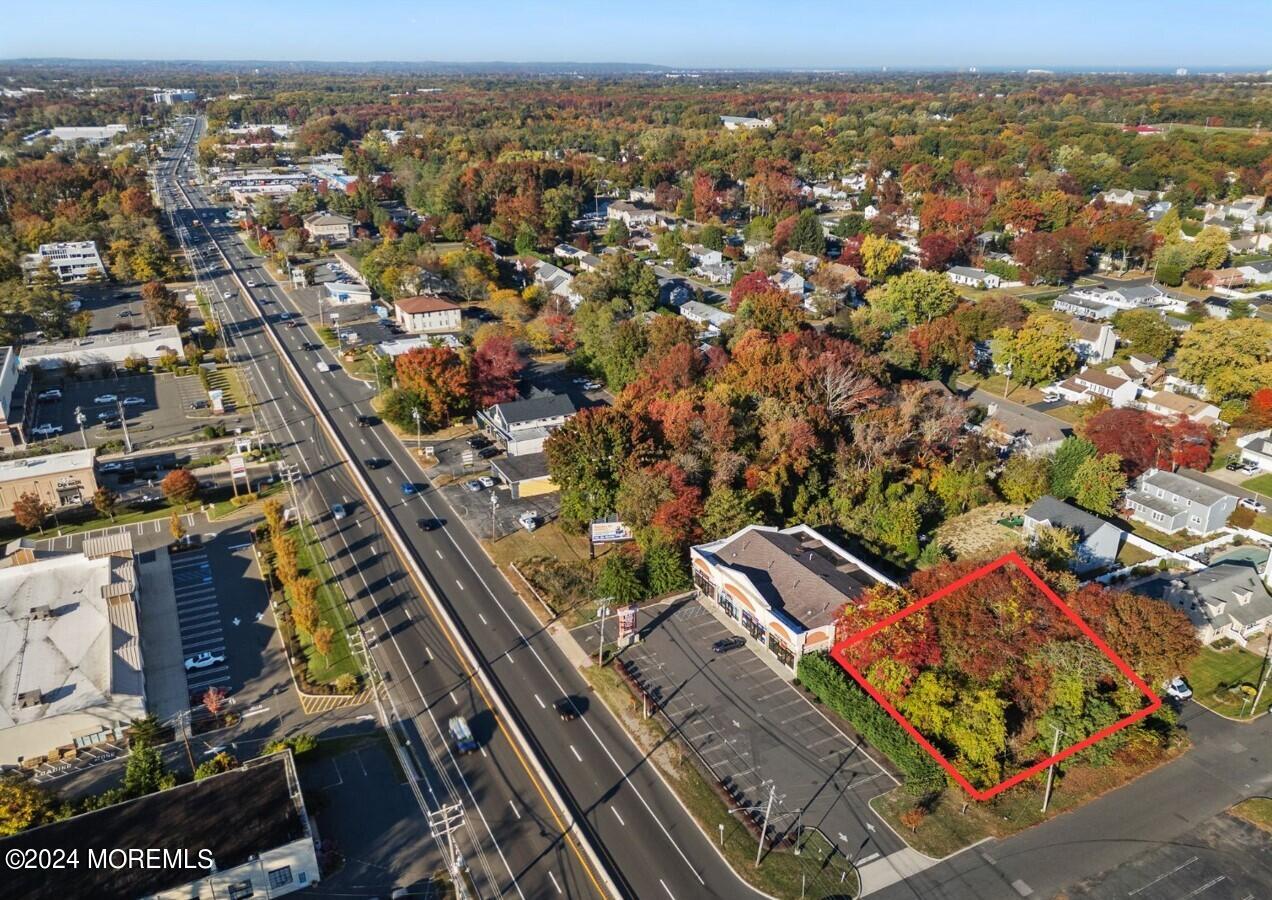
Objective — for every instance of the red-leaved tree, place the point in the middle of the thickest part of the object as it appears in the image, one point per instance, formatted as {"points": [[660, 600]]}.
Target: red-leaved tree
{"points": [[496, 369]]}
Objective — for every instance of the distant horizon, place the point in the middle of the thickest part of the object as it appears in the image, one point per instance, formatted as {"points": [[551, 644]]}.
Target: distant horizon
{"points": [[927, 35]]}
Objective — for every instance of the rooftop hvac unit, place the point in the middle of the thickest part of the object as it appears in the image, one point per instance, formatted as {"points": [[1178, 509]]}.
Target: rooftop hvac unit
{"points": [[29, 699], [41, 612]]}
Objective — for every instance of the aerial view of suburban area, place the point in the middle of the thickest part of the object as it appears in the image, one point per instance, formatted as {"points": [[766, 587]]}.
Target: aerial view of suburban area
{"points": [[682, 451]]}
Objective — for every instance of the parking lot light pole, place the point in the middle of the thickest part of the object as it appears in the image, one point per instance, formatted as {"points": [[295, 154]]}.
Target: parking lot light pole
{"points": [[494, 505], [119, 406], [415, 414], [80, 419]]}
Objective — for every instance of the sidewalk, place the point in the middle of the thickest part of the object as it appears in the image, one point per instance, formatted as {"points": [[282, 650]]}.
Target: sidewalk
{"points": [[161, 637]]}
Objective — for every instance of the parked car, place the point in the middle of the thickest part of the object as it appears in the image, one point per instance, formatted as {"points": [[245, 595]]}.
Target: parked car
{"points": [[1253, 504], [124, 314], [50, 394], [1050, 396], [46, 430], [488, 452], [1178, 689], [724, 645], [105, 398], [203, 660], [462, 735], [529, 520], [591, 385], [108, 416], [473, 486], [134, 401], [487, 481], [477, 442], [338, 511], [111, 467]]}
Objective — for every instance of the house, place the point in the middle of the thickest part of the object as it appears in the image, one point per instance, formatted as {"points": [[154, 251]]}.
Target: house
{"points": [[1257, 272], [1097, 541], [111, 349], [61, 480], [712, 318], [1142, 363], [71, 670], [973, 278], [746, 123], [1180, 501], [1019, 429], [803, 263], [1168, 403], [427, 314], [631, 214], [242, 833], [1118, 197], [1251, 243], [557, 282], [1230, 599], [67, 260], [704, 256], [567, 251], [590, 262], [1091, 383], [1137, 296], [523, 425], [1257, 448], [791, 282], [1084, 307], [716, 273], [1094, 342], [326, 226], [1225, 278], [782, 587], [1156, 211]]}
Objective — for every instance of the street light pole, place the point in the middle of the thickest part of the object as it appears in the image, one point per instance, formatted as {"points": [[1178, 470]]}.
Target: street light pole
{"points": [[80, 419], [119, 405], [1055, 748], [768, 809]]}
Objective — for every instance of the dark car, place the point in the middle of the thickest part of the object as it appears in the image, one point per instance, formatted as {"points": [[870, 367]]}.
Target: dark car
{"points": [[724, 645], [567, 709], [429, 524], [367, 421], [477, 443], [376, 462]]}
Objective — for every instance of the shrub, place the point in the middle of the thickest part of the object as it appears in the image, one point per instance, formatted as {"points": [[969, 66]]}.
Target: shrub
{"points": [[835, 688]]}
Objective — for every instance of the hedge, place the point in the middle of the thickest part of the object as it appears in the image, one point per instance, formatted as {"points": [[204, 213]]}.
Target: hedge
{"points": [[836, 688]]}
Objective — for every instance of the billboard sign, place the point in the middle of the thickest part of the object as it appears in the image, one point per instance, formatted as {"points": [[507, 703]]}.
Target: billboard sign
{"points": [[238, 466], [610, 532], [626, 622]]}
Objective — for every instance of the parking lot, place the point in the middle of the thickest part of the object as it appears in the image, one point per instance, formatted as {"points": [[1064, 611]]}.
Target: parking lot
{"points": [[755, 730], [202, 630], [1224, 858]]}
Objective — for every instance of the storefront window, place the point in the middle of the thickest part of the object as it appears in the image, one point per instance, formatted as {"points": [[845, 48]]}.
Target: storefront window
{"points": [[753, 627], [703, 583], [726, 604], [781, 651]]}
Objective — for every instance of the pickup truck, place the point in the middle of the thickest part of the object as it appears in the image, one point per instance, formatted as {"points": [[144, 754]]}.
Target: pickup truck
{"points": [[462, 735]]}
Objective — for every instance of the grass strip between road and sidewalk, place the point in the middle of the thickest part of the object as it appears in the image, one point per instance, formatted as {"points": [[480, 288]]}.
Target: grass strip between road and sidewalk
{"points": [[820, 872]]}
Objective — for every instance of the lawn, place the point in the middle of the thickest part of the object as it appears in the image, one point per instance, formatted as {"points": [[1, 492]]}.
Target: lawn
{"points": [[994, 384], [333, 611], [976, 533], [1130, 555], [1180, 541], [1226, 447], [1261, 484], [1213, 674], [546, 540], [818, 873], [235, 396], [1256, 811]]}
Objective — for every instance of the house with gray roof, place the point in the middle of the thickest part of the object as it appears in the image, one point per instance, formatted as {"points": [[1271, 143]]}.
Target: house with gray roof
{"points": [[1230, 599], [710, 317], [1180, 501], [1084, 307], [1098, 541], [973, 278], [523, 425], [1257, 448]]}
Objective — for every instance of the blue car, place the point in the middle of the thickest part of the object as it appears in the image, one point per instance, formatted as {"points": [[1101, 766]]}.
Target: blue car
{"points": [[409, 489]]}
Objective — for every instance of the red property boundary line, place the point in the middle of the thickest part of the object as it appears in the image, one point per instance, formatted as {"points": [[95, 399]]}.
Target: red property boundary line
{"points": [[1009, 559]]}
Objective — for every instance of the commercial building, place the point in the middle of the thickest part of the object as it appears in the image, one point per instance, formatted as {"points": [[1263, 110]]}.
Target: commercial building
{"points": [[70, 651], [15, 399], [169, 96], [784, 587], [523, 425], [68, 260], [427, 314], [77, 134], [243, 833], [106, 349], [325, 226], [62, 480]]}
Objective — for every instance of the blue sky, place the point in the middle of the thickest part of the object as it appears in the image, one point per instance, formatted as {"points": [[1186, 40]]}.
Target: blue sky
{"points": [[1098, 34]]}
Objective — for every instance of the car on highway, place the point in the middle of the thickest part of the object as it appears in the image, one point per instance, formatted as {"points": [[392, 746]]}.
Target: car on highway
{"points": [[1178, 689], [724, 645], [49, 395], [322, 366], [124, 314], [1252, 504], [409, 489], [46, 430], [428, 524], [473, 486], [134, 401], [486, 481], [567, 708], [367, 421], [375, 462], [462, 735], [105, 398], [338, 511], [228, 295], [203, 661], [285, 316], [251, 283]]}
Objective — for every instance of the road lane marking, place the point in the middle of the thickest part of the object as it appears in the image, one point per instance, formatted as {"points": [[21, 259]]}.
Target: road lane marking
{"points": [[576, 753], [667, 889], [554, 881], [483, 620], [514, 809], [541, 706], [454, 699], [619, 817]]}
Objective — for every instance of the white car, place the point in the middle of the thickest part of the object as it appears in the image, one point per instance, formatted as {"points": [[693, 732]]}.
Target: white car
{"points": [[203, 660], [486, 481], [105, 398], [108, 414], [323, 367], [591, 386], [1178, 689], [1251, 503], [134, 401], [284, 316], [46, 430], [111, 467], [50, 394], [1050, 396], [251, 283], [529, 520], [228, 295]]}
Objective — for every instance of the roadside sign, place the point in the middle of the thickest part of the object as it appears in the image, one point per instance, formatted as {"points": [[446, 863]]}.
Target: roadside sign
{"points": [[626, 621], [610, 532], [238, 466]]}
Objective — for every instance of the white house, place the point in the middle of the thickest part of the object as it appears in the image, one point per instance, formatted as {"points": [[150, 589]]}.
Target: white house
{"points": [[427, 314], [746, 123], [1168, 403], [325, 226], [1258, 272], [1091, 383], [973, 278], [1084, 307], [712, 318], [1257, 448], [523, 425], [69, 260], [1095, 342]]}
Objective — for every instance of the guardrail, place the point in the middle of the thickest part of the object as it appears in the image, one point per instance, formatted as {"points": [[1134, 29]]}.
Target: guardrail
{"points": [[490, 690]]}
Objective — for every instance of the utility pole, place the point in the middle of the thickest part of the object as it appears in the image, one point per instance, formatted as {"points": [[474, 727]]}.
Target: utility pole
{"points": [[80, 419], [443, 823], [768, 809], [415, 414], [1055, 748], [1263, 682], [494, 505], [603, 611], [119, 405]]}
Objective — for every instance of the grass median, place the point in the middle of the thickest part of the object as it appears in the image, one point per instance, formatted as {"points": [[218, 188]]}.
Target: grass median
{"points": [[332, 611]]}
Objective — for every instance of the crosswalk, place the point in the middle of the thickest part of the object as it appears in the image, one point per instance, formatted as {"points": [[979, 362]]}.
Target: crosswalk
{"points": [[200, 617]]}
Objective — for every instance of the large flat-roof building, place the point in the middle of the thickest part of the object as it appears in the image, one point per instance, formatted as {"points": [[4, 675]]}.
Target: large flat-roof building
{"points": [[70, 650], [68, 260], [15, 397], [61, 480], [114, 348], [76, 134], [785, 587], [243, 833]]}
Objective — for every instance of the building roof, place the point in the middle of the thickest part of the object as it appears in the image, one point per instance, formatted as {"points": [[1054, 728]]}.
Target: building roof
{"points": [[800, 574], [1226, 582], [326, 218], [236, 815], [1086, 303], [426, 303], [1179, 403], [516, 469], [166, 335], [1059, 514], [1185, 484], [46, 466], [543, 406], [1087, 331], [1103, 379], [967, 272]]}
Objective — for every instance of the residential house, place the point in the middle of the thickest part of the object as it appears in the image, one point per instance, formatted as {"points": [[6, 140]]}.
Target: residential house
{"points": [[557, 282], [589, 262], [973, 278], [567, 251], [427, 314], [716, 273], [1098, 541], [803, 263], [1230, 599], [1168, 403], [781, 587], [1094, 342], [632, 214], [326, 226], [1156, 211], [1019, 429], [1084, 307], [746, 123], [710, 317], [704, 256], [1257, 272], [1257, 448], [242, 833], [1225, 278], [1180, 501], [1118, 197], [791, 282], [1091, 383]]}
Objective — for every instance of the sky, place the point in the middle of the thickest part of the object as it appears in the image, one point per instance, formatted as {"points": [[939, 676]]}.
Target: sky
{"points": [[1103, 35]]}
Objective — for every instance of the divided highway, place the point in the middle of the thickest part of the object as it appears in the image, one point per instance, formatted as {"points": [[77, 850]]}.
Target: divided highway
{"points": [[515, 844]]}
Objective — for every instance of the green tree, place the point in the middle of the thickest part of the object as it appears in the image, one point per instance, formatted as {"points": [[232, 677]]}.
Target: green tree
{"points": [[23, 805], [978, 732], [916, 297], [619, 580], [712, 237], [222, 762], [727, 511], [105, 501], [1040, 351], [617, 234], [808, 236], [145, 773], [1098, 483], [665, 569], [586, 457], [1211, 247], [1146, 332], [1071, 454], [1232, 358], [1024, 478]]}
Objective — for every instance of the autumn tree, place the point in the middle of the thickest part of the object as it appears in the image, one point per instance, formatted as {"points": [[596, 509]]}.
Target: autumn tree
{"points": [[1146, 331], [163, 306], [324, 638], [180, 486], [23, 805], [304, 603], [773, 311], [1099, 483], [1024, 478], [30, 511], [105, 501], [496, 369], [437, 380], [175, 526], [915, 297], [1156, 640], [586, 457], [1039, 351], [878, 257], [1230, 357]]}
